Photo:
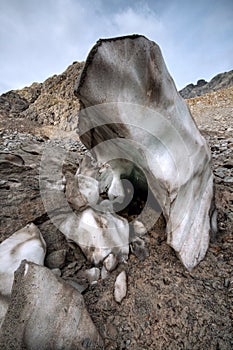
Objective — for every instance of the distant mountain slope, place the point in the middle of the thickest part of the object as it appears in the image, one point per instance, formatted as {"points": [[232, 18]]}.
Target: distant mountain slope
{"points": [[220, 81], [51, 105], [48, 104]]}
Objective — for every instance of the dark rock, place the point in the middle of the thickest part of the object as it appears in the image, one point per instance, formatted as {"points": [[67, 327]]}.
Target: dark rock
{"points": [[220, 81], [139, 249], [201, 82], [56, 259], [20, 195], [12, 104], [21, 199], [228, 164], [228, 179]]}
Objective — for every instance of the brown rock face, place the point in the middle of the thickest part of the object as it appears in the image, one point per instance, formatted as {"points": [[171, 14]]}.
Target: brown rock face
{"points": [[20, 193], [20, 188], [51, 103]]}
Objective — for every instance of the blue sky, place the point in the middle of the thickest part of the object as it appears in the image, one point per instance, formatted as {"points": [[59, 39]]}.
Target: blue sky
{"points": [[41, 38]]}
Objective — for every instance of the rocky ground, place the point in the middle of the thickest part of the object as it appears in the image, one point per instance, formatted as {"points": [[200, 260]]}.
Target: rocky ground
{"points": [[166, 307]]}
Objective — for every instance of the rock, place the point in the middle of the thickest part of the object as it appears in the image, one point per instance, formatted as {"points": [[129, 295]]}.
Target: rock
{"points": [[12, 104], [71, 269], [20, 195], [220, 81], [54, 239], [220, 172], [201, 82], [104, 273], [143, 122], [139, 228], [228, 164], [110, 263], [139, 249], [56, 259], [120, 287], [46, 313], [228, 179], [22, 171], [26, 243], [230, 215], [93, 275]]}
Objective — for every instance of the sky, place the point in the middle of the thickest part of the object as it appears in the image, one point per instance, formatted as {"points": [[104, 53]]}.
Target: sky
{"points": [[41, 38]]}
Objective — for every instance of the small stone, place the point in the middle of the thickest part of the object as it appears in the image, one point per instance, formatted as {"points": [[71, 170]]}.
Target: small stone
{"points": [[139, 249], [215, 147], [2, 183], [226, 282], [93, 275], [87, 343], [228, 164], [78, 255], [120, 287], [104, 273], [71, 269], [110, 263], [139, 228], [56, 259], [228, 179], [230, 215], [72, 265], [220, 174]]}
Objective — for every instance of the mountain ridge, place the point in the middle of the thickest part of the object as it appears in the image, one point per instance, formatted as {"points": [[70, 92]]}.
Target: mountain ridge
{"points": [[52, 104], [48, 104], [218, 82]]}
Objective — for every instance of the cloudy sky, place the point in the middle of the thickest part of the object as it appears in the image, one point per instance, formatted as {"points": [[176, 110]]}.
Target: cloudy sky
{"points": [[39, 38]]}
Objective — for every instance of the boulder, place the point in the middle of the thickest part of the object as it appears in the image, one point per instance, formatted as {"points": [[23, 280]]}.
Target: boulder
{"points": [[46, 313]]}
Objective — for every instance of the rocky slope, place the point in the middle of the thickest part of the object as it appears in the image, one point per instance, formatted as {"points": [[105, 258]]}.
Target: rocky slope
{"points": [[220, 81], [166, 306], [42, 106]]}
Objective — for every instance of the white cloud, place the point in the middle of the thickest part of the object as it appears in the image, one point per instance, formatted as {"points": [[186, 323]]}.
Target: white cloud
{"points": [[38, 39], [143, 21]]}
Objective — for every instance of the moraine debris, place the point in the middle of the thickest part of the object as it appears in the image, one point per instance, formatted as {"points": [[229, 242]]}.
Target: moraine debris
{"points": [[120, 287]]}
